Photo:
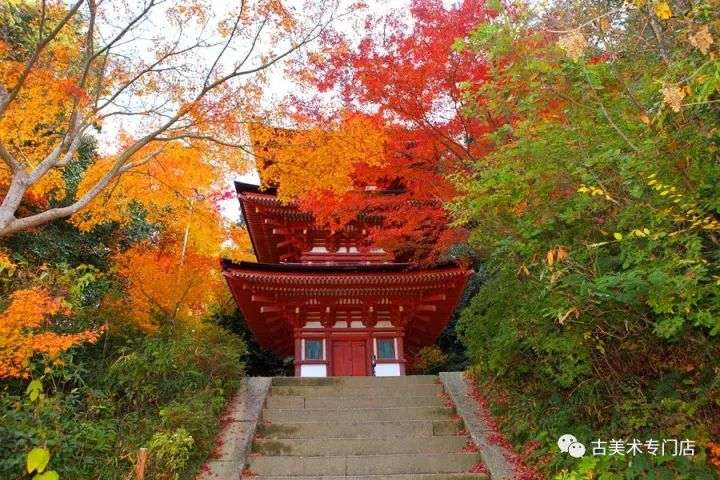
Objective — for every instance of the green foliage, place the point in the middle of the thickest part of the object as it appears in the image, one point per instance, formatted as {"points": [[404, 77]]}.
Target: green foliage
{"points": [[37, 460], [171, 452], [16, 28], [67, 424], [160, 368], [429, 361], [259, 362], [596, 214], [163, 392], [75, 169]]}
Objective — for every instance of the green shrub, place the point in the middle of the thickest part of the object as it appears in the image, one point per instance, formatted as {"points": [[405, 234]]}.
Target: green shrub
{"points": [[595, 211], [429, 361], [163, 392], [164, 366], [170, 453]]}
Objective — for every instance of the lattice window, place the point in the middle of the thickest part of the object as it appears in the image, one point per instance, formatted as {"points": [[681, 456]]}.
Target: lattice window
{"points": [[386, 348], [313, 349]]}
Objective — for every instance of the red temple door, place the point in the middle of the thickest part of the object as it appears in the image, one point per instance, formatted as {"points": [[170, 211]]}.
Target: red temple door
{"points": [[349, 358]]}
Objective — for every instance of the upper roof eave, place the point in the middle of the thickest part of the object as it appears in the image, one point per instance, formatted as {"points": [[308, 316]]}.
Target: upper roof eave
{"points": [[228, 264], [242, 187]]}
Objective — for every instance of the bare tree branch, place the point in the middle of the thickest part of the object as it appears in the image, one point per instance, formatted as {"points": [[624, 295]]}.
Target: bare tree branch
{"points": [[225, 47]]}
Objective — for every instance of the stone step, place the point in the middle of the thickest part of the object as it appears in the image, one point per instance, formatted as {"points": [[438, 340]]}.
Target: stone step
{"points": [[401, 476], [358, 429], [409, 463], [342, 390], [357, 414], [391, 399], [356, 381], [360, 446]]}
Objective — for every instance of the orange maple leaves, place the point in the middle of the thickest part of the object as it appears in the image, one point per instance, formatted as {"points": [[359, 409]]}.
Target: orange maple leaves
{"points": [[28, 311], [317, 159], [714, 454], [29, 126], [175, 276], [168, 285]]}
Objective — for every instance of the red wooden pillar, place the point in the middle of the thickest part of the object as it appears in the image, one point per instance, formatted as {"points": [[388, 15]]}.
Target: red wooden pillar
{"points": [[298, 350], [327, 321], [401, 350], [369, 352]]}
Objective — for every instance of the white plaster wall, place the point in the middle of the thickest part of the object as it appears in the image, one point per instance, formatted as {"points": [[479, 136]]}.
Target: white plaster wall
{"points": [[313, 371], [387, 370]]}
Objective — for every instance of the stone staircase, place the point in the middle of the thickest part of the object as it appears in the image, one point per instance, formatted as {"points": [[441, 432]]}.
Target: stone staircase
{"points": [[364, 428]]}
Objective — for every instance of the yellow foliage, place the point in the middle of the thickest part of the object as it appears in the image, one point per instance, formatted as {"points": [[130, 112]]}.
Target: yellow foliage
{"points": [[303, 161], [7, 266], [237, 247], [50, 185], [663, 11], [39, 107], [29, 309], [177, 276], [28, 127], [174, 188], [164, 284]]}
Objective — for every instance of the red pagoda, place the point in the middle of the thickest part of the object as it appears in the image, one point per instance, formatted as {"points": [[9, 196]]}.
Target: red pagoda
{"points": [[336, 302]]}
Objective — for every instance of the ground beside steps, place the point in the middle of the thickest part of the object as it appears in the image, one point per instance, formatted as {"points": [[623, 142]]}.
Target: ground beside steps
{"points": [[362, 428]]}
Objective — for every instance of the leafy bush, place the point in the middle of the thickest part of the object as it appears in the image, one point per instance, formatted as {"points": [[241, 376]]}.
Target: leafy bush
{"points": [[428, 361], [160, 368], [596, 213], [170, 452], [163, 392]]}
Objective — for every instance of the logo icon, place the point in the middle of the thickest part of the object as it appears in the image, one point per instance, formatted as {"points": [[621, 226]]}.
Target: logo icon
{"points": [[570, 445]]}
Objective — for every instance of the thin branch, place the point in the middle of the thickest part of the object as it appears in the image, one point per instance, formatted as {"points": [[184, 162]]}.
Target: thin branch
{"points": [[657, 30], [254, 42], [700, 103], [127, 28], [589, 22], [142, 161], [207, 138], [608, 117], [224, 48]]}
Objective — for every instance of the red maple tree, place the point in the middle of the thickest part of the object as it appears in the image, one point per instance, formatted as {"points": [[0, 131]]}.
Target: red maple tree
{"points": [[406, 76]]}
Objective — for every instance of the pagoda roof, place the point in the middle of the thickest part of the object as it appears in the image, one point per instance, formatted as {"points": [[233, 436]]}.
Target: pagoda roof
{"points": [[282, 233], [242, 187], [273, 297], [333, 267], [261, 206]]}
